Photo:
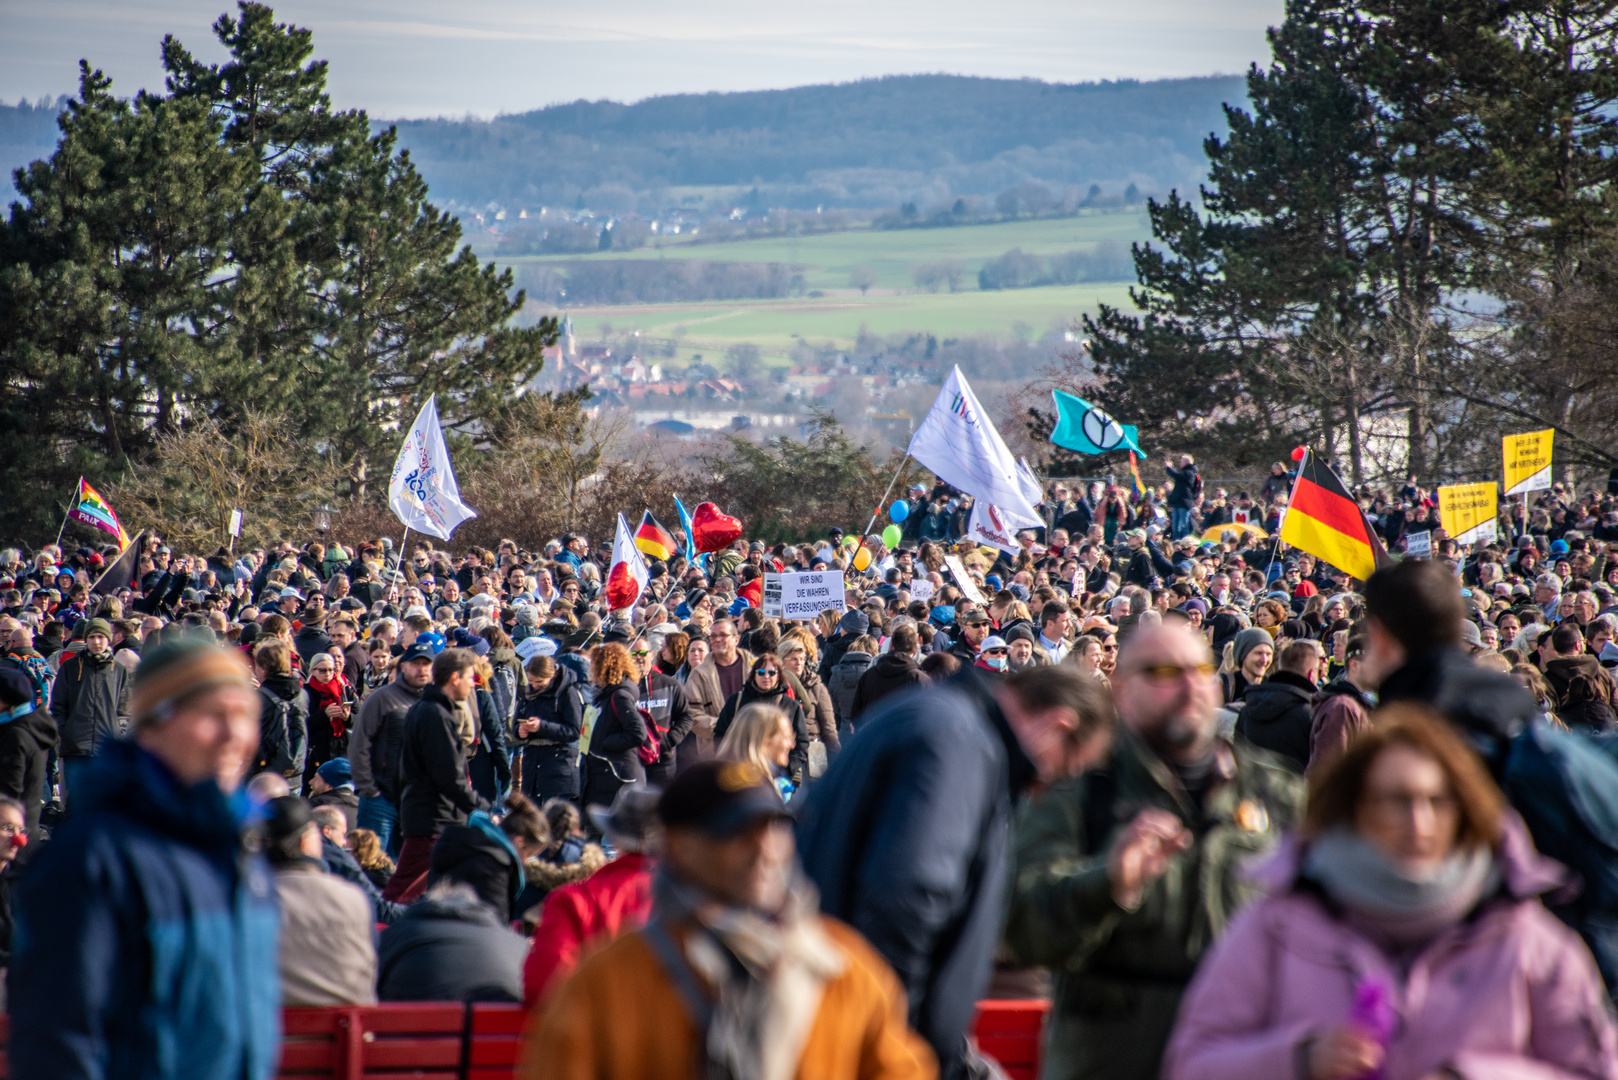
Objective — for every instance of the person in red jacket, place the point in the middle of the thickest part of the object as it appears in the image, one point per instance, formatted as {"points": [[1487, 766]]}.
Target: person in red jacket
{"points": [[592, 912]]}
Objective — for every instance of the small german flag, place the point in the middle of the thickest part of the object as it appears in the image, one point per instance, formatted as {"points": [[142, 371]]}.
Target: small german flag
{"points": [[1323, 519], [654, 540]]}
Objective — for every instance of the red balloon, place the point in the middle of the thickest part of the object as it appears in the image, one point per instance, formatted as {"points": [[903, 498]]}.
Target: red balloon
{"points": [[712, 530], [1297, 455], [622, 589]]}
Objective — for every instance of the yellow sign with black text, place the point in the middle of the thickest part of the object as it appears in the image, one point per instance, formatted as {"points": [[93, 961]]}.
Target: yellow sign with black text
{"points": [[1528, 461], [1468, 511]]}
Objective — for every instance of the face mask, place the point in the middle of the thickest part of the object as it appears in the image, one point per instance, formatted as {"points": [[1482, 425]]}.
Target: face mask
{"points": [[998, 663]]}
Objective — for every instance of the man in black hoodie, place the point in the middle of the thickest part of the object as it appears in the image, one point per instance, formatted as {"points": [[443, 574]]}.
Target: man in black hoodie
{"points": [[895, 670], [432, 763], [1277, 714]]}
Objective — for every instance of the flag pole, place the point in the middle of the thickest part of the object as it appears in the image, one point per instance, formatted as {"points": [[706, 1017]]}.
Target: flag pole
{"points": [[1276, 549], [69, 514], [885, 495], [399, 568]]}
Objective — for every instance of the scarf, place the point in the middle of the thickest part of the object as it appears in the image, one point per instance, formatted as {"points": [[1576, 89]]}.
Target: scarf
{"points": [[1394, 909], [322, 694], [769, 973]]}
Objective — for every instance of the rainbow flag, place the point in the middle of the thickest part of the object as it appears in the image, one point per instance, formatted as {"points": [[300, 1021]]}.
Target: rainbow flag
{"points": [[1134, 472], [90, 508]]}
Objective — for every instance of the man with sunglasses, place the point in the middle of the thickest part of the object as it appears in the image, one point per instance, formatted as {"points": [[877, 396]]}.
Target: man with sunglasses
{"points": [[1127, 874]]}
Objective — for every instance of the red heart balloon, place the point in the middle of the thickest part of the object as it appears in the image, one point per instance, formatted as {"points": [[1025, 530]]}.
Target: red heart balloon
{"points": [[712, 530]]}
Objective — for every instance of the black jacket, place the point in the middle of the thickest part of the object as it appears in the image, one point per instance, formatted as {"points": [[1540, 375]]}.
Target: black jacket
{"points": [[559, 708], [619, 731], [345, 799], [1183, 495], [1488, 706], [798, 762], [664, 698], [888, 675], [90, 703], [450, 949], [432, 763], [907, 836], [310, 640], [1277, 715], [470, 855], [490, 766], [283, 719], [1076, 522]]}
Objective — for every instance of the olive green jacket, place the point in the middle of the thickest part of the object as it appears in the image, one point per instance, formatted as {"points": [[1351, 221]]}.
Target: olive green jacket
{"points": [[1119, 973]]}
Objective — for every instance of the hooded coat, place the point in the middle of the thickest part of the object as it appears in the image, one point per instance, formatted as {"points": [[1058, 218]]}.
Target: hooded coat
{"points": [[90, 702], [449, 948], [1277, 715], [1508, 992], [146, 936], [891, 673], [550, 756], [479, 854]]}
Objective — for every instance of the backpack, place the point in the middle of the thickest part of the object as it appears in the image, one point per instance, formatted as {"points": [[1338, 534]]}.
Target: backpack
{"points": [[845, 678], [1565, 786], [274, 753]]}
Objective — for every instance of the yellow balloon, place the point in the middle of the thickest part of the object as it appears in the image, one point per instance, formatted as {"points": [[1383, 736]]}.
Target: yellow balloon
{"points": [[862, 558]]}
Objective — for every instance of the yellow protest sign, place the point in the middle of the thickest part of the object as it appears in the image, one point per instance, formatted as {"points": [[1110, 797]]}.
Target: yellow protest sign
{"points": [[1528, 461], [1467, 511]]}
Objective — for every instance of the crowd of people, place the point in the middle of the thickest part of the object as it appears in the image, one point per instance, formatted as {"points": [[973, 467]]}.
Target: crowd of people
{"points": [[1234, 813]]}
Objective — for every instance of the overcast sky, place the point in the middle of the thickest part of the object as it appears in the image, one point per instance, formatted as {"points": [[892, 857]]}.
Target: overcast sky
{"points": [[401, 58]]}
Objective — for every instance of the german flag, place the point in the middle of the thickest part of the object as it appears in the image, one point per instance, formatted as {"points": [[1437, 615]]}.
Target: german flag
{"points": [[654, 540], [1323, 519]]}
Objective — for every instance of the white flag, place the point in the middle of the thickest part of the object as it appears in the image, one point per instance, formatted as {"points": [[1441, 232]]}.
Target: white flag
{"points": [[959, 444], [627, 575], [1030, 483], [423, 491], [988, 526]]}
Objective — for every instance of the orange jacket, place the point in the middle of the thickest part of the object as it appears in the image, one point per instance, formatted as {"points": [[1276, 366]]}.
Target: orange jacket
{"points": [[620, 1016]]}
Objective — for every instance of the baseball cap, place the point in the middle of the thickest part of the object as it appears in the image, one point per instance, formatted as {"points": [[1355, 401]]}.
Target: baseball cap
{"points": [[973, 617], [993, 641], [433, 640], [418, 650], [720, 798]]}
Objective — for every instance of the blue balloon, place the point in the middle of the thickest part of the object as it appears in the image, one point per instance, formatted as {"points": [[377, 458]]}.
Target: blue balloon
{"points": [[899, 511]]}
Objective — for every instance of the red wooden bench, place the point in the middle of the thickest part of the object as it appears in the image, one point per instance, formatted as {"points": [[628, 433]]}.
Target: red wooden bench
{"points": [[484, 1042]]}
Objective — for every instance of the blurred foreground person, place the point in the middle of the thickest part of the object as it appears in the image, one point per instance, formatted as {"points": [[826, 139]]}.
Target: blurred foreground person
{"points": [[146, 933], [737, 976], [907, 834], [1125, 875], [1403, 937]]}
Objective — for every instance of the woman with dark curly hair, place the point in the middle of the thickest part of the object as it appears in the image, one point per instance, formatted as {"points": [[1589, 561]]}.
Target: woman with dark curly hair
{"points": [[613, 748]]}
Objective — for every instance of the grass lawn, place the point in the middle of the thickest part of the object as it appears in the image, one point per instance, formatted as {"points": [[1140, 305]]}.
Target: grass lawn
{"points": [[828, 258]]}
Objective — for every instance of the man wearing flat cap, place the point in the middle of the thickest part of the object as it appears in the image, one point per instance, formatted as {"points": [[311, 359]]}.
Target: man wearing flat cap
{"points": [[736, 974]]}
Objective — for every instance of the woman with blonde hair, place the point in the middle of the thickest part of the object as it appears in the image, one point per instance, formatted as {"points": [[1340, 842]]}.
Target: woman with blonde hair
{"points": [[763, 735]]}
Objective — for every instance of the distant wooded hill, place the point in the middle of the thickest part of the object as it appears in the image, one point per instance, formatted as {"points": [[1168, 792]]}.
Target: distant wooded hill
{"points": [[877, 143], [922, 139]]}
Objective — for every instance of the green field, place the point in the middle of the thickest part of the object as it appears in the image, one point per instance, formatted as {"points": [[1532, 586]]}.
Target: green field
{"points": [[828, 258], [893, 305], [776, 325]]}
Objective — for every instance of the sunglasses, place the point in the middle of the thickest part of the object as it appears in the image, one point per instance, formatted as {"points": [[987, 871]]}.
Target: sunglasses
{"points": [[767, 673], [641, 652], [995, 652]]}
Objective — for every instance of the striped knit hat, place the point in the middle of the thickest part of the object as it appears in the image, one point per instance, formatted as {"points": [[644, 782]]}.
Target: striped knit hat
{"points": [[178, 669]]}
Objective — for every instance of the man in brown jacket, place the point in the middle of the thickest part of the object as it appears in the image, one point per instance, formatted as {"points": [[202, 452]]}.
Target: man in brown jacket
{"points": [[1342, 711], [737, 974], [714, 681]]}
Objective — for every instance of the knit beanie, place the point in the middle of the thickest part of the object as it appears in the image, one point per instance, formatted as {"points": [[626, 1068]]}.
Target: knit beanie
{"points": [[176, 670], [1247, 641]]}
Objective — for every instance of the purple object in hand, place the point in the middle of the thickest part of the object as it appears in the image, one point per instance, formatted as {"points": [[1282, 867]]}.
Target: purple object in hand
{"points": [[1373, 1011]]}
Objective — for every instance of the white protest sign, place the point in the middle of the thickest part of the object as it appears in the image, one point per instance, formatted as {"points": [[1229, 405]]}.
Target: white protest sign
{"points": [[802, 596], [1419, 545], [921, 589], [235, 523], [968, 589]]}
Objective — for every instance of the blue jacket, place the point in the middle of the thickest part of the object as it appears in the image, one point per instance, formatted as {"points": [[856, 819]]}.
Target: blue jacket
{"points": [[146, 937], [907, 836]]}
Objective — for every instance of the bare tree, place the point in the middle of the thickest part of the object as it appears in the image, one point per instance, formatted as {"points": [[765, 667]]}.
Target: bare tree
{"points": [[862, 277]]}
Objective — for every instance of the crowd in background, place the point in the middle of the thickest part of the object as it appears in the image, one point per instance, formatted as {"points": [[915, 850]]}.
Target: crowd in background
{"points": [[1239, 815]]}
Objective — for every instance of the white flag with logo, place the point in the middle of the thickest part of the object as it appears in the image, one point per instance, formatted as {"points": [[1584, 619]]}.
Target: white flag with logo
{"points": [[627, 575], [423, 492], [988, 526], [1030, 483], [959, 444]]}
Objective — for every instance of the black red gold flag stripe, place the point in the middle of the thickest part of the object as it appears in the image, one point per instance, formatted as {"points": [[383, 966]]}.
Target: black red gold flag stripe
{"points": [[1323, 519], [653, 539]]}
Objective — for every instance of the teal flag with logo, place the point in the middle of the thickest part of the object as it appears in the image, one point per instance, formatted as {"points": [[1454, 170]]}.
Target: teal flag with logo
{"points": [[1088, 429]]}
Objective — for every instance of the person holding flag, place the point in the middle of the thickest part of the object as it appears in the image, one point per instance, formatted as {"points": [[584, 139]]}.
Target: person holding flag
{"points": [[422, 491]]}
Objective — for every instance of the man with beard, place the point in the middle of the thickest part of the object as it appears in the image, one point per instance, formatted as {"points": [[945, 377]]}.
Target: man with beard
{"points": [[1125, 875]]}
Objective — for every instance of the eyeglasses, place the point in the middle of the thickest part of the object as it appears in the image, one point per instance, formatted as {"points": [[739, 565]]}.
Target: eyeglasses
{"points": [[1170, 672], [1109, 646]]}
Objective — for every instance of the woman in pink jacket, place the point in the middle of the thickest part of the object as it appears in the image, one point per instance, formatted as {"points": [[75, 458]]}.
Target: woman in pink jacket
{"points": [[1403, 939]]}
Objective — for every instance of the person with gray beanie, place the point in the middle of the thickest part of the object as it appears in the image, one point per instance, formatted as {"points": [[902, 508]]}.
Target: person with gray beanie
{"points": [[1246, 660]]}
